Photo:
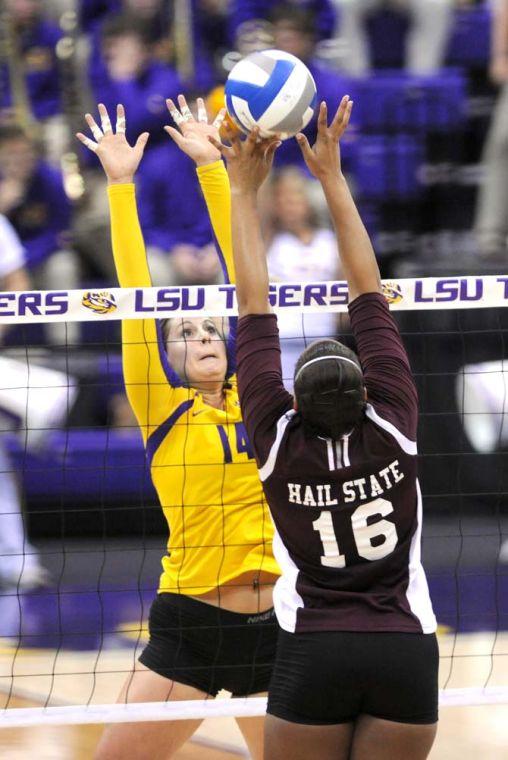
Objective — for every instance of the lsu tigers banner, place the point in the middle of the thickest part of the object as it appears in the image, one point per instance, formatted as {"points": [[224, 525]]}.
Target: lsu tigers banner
{"points": [[426, 293]]}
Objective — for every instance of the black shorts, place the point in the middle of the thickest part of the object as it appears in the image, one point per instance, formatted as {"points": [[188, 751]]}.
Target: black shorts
{"points": [[209, 648], [332, 677]]}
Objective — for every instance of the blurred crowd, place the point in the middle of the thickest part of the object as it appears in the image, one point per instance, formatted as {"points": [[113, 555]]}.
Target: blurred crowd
{"points": [[61, 57]]}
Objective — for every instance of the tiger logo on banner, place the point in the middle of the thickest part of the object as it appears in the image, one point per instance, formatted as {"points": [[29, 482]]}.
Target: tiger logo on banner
{"points": [[392, 292], [100, 302]]}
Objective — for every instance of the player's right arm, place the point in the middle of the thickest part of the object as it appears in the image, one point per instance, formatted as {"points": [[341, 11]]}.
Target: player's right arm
{"points": [[323, 160], [146, 382], [193, 140], [387, 374], [263, 397]]}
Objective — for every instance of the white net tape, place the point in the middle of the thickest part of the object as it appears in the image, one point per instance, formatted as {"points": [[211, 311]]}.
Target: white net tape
{"points": [[424, 294]]}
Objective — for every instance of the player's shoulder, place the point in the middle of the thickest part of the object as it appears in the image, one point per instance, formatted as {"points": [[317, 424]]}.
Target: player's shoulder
{"points": [[388, 429], [181, 396]]}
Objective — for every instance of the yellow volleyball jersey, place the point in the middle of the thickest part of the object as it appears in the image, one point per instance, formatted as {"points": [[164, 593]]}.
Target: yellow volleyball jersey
{"points": [[201, 462]]}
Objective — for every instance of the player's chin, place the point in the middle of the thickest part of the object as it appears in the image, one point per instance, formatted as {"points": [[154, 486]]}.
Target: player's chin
{"points": [[212, 369]]}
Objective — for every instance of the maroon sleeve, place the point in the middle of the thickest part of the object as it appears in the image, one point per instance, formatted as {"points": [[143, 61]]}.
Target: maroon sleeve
{"points": [[263, 397], [390, 386]]}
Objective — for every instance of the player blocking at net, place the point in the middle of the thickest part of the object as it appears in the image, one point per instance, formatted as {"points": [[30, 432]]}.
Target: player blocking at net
{"points": [[355, 674], [212, 624]]}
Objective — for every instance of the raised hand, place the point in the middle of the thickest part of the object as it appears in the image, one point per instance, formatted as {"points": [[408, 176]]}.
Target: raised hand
{"points": [[323, 159], [119, 159], [193, 136], [249, 161]]}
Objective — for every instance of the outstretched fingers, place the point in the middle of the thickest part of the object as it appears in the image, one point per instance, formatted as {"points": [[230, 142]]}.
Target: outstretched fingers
{"points": [[120, 120], [342, 116], [105, 120], [201, 108], [94, 127], [141, 142], [224, 149], [98, 132], [322, 121], [176, 136], [174, 112], [234, 139], [90, 144], [217, 122], [252, 140], [184, 109], [271, 148], [304, 144]]}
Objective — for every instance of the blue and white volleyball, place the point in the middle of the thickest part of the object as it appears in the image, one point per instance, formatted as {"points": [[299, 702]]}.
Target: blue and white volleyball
{"points": [[273, 90]]}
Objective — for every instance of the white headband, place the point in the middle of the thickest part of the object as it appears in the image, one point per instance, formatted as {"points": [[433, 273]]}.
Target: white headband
{"points": [[321, 358]]}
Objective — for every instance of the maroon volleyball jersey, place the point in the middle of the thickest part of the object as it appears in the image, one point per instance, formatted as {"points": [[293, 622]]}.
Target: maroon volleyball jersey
{"points": [[347, 512]]}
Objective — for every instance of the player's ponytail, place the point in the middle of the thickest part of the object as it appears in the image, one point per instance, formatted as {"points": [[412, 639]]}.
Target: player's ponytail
{"points": [[329, 389]]}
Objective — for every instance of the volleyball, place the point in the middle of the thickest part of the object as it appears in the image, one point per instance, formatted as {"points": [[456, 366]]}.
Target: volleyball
{"points": [[273, 90]]}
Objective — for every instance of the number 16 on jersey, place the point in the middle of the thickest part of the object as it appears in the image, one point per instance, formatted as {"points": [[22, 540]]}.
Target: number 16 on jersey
{"points": [[373, 541]]}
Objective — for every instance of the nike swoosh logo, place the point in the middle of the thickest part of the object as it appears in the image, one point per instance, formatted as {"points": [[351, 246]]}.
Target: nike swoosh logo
{"points": [[195, 414]]}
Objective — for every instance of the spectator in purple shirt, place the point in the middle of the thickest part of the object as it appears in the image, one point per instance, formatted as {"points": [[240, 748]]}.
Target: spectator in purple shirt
{"points": [[92, 12], [243, 11], [356, 667], [132, 76], [36, 40], [166, 45], [176, 227], [295, 31], [33, 68], [33, 199]]}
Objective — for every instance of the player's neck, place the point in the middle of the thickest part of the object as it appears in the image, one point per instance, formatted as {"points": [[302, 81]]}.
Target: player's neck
{"points": [[214, 396]]}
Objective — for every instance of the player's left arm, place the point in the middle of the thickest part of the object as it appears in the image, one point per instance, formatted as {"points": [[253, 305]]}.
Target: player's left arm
{"points": [[387, 374], [324, 162]]}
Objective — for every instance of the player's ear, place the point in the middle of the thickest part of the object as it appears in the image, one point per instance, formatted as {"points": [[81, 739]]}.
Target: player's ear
{"points": [[295, 404], [365, 396]]}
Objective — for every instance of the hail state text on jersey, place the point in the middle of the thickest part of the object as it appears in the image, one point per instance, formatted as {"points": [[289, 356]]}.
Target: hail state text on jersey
{"points": [[360, 489]]}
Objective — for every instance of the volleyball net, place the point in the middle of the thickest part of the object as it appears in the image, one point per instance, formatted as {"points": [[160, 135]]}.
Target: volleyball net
{"points": [[82, 532]]}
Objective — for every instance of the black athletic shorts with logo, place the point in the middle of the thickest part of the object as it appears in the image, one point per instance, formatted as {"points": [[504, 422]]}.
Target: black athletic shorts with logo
{"points": [[200, 645], [332, 677]]}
